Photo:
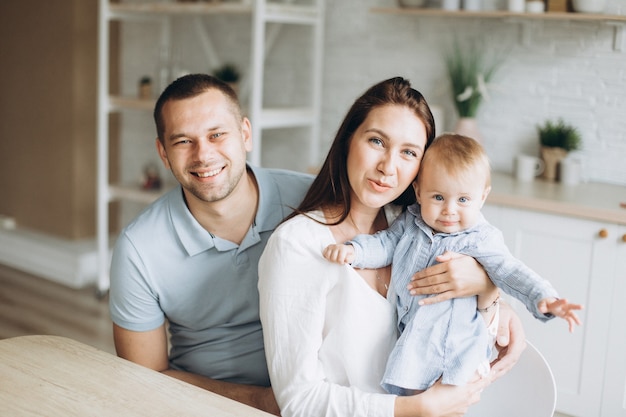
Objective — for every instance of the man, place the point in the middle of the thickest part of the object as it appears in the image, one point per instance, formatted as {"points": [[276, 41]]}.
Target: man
{"points": [[190, 259]]}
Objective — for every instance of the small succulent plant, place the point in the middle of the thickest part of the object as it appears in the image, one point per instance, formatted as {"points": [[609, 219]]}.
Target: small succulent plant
{"points": [[558, 134]]}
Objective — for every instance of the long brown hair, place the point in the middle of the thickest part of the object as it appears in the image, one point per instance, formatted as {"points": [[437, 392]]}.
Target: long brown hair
{"points": [[331, 186]]}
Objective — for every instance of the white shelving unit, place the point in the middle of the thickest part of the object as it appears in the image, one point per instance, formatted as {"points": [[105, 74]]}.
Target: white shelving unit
{"points": [[267, 20]]}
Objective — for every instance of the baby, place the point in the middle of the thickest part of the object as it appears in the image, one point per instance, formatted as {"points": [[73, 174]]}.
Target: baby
{"points": [[447, 340]]}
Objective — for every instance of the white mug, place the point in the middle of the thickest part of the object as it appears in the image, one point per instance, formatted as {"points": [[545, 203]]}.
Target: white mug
{"points": [[528, 167], [517, 6], [451, 4], [569, 171], [535, 6]]}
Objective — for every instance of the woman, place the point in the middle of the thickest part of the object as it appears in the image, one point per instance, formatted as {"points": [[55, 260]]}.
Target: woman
{"points": [[328, 328]]}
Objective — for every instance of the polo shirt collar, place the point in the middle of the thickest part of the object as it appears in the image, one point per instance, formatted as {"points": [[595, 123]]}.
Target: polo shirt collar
{"points": [[195, 239], [192, 236]]}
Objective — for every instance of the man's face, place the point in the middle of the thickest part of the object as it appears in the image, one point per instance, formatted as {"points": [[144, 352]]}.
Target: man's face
{"points": [[205, 145]]}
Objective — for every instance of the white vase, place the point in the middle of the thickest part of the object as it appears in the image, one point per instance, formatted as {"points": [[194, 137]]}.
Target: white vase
{"points": [[472, 5], [412, 3], [468, 126], [517, 6], [589, 6], [450, 4]]}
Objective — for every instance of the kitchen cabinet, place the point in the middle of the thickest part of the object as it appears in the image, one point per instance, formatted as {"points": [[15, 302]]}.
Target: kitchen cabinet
{"points": [[614, 396], [586, 262], [269, 112]]}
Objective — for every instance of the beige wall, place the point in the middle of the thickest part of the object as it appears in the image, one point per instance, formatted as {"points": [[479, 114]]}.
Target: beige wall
{"points": [[48, 57]]}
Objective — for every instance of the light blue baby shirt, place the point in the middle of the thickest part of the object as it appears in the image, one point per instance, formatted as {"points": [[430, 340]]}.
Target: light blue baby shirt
{"points": [[448, 339], [166, 266]]}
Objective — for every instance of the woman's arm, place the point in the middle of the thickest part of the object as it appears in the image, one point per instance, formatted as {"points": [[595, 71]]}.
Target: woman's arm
{"points": [[455, 276], [296, 290], [441, 400]]}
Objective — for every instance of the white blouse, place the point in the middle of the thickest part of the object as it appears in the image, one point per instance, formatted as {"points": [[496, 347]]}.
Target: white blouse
{"points": [[327, 333]]}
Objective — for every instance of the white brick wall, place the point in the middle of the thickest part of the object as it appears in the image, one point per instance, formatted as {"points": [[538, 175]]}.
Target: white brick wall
{"points": [[554, 69]]}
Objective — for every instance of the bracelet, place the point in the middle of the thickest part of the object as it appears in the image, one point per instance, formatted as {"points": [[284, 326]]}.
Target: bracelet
{"points": [[490, 306]]}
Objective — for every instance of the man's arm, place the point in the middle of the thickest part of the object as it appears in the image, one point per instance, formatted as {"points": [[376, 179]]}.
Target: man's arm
{"points": [[149, 349]]}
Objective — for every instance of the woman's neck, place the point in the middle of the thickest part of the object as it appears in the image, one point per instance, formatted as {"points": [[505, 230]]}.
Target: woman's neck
{"points": [[364, 222], [358, 221]]}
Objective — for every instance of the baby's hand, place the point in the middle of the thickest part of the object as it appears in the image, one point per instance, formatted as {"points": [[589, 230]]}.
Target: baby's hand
{"points": [[339, 253], [561, 308]]}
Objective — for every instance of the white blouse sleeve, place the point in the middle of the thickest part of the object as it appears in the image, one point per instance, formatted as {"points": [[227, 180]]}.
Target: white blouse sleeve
{"points": [[293, 289]]}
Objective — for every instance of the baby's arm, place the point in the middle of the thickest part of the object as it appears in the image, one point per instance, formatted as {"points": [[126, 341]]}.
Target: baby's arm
{"points": [[339, 253], [561, 308]]}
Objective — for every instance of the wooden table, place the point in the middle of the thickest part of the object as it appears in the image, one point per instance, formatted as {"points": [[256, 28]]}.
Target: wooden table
{"points": [[55, 376]]}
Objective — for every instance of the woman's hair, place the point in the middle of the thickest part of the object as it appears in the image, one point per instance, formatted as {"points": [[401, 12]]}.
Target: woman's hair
{"points": [[331, 187], [459, 155], [189, 86]]}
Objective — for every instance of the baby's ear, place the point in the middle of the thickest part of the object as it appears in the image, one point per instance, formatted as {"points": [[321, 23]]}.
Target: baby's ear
{"points": [[485, 194], [416, 189]]}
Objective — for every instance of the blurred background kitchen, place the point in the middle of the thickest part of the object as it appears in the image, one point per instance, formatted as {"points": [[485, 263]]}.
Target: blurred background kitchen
{"points": [[551, 66]]}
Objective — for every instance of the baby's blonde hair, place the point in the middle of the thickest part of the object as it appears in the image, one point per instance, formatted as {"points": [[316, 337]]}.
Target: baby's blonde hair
{"points": [[460, 155]]}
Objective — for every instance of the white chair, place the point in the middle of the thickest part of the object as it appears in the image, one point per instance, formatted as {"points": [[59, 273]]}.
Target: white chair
{"points": [[527, 390]]}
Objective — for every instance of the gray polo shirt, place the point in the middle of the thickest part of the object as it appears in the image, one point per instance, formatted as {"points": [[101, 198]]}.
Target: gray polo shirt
{"points": [[165, 266]]}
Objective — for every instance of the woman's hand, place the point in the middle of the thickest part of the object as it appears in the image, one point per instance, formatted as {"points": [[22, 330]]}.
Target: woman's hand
{"points": [[455, 276], [510, 342], [441, 400]]}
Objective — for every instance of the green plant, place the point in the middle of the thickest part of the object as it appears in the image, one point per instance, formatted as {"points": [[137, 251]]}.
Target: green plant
{"points": [[559, 135], [470, 70], [227, 73]]}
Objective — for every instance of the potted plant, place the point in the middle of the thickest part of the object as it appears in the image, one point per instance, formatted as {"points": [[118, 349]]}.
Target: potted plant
{"points": [[557, 139], [470, 71], [229, 74], [145, 87]]}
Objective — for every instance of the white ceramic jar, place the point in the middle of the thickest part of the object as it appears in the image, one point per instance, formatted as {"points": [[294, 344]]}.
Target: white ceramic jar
{"points": [[589, 6], [412, 3]]}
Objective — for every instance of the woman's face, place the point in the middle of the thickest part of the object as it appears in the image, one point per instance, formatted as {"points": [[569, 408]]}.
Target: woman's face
{"points": [[384, 155]]}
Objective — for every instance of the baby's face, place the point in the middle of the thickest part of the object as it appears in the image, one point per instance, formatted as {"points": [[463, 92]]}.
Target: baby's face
{"points": [[450, 203]]}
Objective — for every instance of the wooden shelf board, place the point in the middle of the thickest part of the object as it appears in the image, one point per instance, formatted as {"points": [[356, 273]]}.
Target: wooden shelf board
{"points": [[416, 11]]}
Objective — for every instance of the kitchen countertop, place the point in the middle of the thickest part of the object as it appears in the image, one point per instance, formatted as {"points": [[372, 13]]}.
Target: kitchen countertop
{"points": [[593, 201]]}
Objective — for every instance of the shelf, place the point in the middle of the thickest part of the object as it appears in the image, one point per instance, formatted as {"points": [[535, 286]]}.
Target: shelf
{"points": [[277, 13], [294, 117], [120, 11], [499, 14], [294, 14], [267, 19], [271, 118], [617, 21], [117, 103], [135, 194]]}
